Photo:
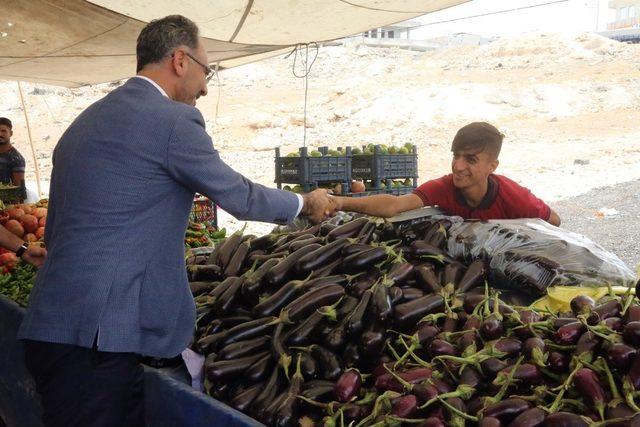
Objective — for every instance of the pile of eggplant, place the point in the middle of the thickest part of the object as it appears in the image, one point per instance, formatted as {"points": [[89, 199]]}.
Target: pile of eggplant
{"points": [[359, 324]]}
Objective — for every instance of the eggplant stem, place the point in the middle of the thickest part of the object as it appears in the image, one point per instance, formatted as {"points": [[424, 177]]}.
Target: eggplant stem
{"points": [[507, 383], [393, 351], [612, 383], [414, 356], [457, 411], [563, 388], [405, 384]]}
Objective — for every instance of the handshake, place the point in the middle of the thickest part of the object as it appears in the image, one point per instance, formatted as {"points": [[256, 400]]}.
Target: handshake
{"points": [[319, 205]]}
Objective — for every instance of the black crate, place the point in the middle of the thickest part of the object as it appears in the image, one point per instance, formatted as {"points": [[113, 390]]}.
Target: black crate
{"points": [[13, 195], [310, 172], [396, 191], [378, 166]]}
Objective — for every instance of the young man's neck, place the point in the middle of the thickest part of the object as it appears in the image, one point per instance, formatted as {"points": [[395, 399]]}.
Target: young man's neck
{"points": [[475, 194], [5, 147]]}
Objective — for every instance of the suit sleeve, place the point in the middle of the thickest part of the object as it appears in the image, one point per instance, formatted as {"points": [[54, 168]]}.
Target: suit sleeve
{"points": [[192, 161]]}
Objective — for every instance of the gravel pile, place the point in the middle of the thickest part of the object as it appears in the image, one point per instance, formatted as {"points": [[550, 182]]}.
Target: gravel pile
{"points": [[609, 216]]}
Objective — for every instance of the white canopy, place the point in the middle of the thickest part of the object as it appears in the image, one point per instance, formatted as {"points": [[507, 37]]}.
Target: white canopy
{"points": [[76, 42]]}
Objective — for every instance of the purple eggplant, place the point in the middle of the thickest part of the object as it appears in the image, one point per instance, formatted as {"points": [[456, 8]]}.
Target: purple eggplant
{"points": [[348, 385], [588, 384], [490, 367], [221, 369], [321, 256], [427, 278], [284, 269], [302, 334], [620, 355], [509, 346], [558, 362], [386, 381], [570, 333], [224, 303], [355, 322], [237, 260], [312, 300], [244, 348], [506, 410], [405, 406], [372, 340], [564, 419], [361, 261], [587, 346], [260, 369], [348, 229], [471, 377], [582, 304], [473, 276], [381, 307], [633, 313], [242, 401], [319, 390], [253, 281], [247, 330], [491, 328], [329, 362], [533, 417], [490, 422], [442, 348], [611, 308], [408, 314], [432, 422], [631, 333], [534, 349]]}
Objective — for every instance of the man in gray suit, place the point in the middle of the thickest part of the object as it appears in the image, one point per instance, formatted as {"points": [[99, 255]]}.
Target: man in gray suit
{"points": [[114, 284]]}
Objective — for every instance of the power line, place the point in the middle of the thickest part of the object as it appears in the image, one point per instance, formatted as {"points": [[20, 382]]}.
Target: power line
{"points": [[488, 14]]}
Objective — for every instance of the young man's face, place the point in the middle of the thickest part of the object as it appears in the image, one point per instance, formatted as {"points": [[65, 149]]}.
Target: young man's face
{"points": [[471, 167], [5, 134]]}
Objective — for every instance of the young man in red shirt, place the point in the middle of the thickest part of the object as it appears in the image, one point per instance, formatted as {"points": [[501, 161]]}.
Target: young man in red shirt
{"points": [[471, 191]]}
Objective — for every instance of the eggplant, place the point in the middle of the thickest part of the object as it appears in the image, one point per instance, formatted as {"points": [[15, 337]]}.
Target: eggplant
{"points": [[386, 381], [278, 349], [582, 304], [620, 355], [354, 248], [312, 300], [427, 278], [405, 406], [372, 340], [492, 366], [433, 422], [491, 328], [266, 414], [348, 229], [611, 308], [533, 417], [208, 344], [363, 260], [558, 362], [588, 384], [278, 300], [252, 329], [406, 294], [351, 355], [267, 394], [286, 245], [336, 339], [319, 390], [328, 269], [535, 349], [302, 333], [440, 347], [219, 289], [355, 322], [507, 409], [409, 313], [474, 275], [244, 348], [308, 366], [452, 417], [284, 269], [260, 257], [348, 386], [471, 377], [242, 400], [237, 260], [294, 246], [489, 422], [570, 333], [587, 346], [631, 333], [222, 369], [228, 248], [329, 362], [206, 272], [259, 370], [225, 301], [399, 273], [321, 256], [528, 373], [381, 303], [263, 242], [633, 313], [254, 280], [564, 419], [287, 412], [366, 233], [452, 273]]}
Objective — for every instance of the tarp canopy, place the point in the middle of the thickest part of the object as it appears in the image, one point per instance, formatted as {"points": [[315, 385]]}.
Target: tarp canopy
{"points": [[76, 42]]}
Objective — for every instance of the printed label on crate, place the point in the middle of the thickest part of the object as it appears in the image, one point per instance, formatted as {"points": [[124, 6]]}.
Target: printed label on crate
{"points": [[361, 170], [289, 171]]}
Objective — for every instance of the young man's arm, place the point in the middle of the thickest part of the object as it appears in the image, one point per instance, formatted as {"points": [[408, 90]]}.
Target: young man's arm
{"points": [[382, 205], [16, 178]]}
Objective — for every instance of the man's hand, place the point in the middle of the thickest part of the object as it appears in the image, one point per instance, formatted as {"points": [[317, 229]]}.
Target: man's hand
{"points": [[318, 205], [35, 255]]}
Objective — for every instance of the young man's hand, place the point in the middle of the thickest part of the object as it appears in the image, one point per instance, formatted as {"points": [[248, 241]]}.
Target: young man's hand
{"points": [[35, 255], [318, 205]]}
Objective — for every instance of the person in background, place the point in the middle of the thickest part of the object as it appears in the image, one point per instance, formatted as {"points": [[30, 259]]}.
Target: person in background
{"points": [[30, 252], [11, 161], [471, 191], [114, 285]]}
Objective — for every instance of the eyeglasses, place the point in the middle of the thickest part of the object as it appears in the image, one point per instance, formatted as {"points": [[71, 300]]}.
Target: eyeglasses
{"points": [[208, 72]]}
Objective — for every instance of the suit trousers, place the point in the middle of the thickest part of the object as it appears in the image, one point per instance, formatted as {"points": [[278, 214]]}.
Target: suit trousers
{"points": [[85, 387]]}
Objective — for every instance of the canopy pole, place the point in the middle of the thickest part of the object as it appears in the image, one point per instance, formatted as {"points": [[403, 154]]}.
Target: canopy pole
{"points": [[33, 150]]}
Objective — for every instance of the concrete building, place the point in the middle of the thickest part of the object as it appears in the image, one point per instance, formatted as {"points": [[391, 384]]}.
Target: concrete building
{"points": [[627, 14]]}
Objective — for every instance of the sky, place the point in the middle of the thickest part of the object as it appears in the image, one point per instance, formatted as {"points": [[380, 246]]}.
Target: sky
{"points": [[534, 15]]}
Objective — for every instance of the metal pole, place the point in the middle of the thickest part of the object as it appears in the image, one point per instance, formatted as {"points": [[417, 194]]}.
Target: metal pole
{"points": [[33, 150]]}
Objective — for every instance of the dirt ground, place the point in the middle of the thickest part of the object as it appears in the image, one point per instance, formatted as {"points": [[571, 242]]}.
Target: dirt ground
{"points": [[569, 106]]}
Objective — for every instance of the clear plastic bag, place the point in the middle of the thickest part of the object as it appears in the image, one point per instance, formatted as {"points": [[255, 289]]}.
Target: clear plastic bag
{"points": [[530, 255]]}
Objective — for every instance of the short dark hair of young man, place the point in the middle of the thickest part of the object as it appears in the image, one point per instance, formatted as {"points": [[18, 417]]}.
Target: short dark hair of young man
{"points": [[472, 190]]}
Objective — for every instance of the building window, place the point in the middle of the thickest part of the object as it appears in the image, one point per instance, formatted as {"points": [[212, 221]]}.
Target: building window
{"points": [[390, 34], [632, 12], [624, 13]]}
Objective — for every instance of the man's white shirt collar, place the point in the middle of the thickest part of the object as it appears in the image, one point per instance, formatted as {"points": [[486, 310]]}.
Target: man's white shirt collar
{"points": [[154, 83]]}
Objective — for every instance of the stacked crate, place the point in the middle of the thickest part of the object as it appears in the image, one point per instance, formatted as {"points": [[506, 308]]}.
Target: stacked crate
{"points": [[381, 171]]}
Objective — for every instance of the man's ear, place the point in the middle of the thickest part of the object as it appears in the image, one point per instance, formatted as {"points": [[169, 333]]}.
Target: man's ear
{"points": [[179, 63]]}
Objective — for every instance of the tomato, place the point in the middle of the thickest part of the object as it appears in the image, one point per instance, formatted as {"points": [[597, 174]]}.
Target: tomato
{"points": [[8, 259], [15, 213], [29, 222], [14, 227]]}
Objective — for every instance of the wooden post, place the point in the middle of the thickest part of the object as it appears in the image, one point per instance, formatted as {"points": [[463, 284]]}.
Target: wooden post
{"points": [[33, 150]]}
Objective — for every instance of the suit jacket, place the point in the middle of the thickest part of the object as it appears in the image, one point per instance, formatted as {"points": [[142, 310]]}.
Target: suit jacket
{"points": [[122, 186]]}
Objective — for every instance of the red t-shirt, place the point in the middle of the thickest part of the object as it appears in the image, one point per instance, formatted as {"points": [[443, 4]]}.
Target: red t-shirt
{"points": [[505, 199]]}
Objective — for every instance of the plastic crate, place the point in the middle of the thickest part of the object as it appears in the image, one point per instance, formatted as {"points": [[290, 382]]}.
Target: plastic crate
{"points": [[13, 195], [396, 191], [204, 211], [309, 172], [378, 166]]}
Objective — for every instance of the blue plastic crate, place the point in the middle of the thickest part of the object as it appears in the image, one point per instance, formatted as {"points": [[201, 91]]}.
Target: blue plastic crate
{"points": [[379, 166], [310, 172]]}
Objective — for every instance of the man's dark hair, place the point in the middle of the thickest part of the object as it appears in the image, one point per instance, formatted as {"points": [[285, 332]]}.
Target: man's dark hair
{"points": [[160, 37], [6, 122], [480, 136]]}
